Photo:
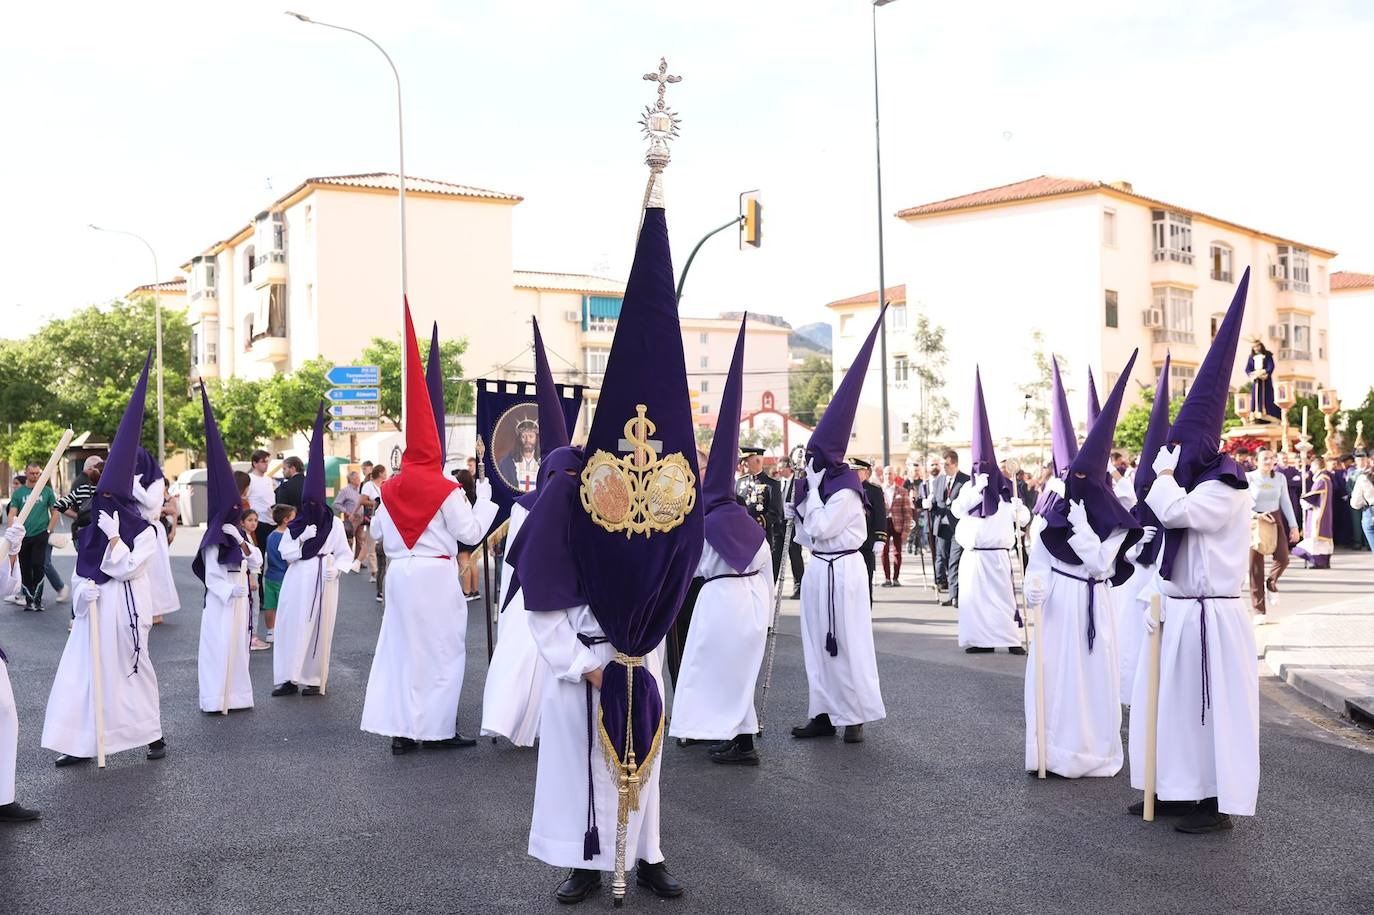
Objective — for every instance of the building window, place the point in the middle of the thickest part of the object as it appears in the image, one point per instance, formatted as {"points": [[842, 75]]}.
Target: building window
{"points": [[1180, 379], [1220, 256], [1173, 236], [846, 325], [706, 386], [705, 409], [1294, 269], [896, 318], [600, 324], [703, 339], [1294, 336], [309, 222], [1215, 325], [1112, 379], [1109, 228], [906, 432], [1304, 388], [1113, 316], [1321, 344], [595, 359], [248, 265], [1175, 313], [901, 369], [706, 362]]}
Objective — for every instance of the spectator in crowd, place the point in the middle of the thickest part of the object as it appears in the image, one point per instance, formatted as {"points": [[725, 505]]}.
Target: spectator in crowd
{"points": [[274, 569], [371, 498], [467, 569], [293, 482], [76, 504], [472, 467], [261, 493], [245, 484], [33, 554], [249, 522], [347, 503], [900, 520], [947, 551], [1362, 495], [1269, 504], [794, 552]]}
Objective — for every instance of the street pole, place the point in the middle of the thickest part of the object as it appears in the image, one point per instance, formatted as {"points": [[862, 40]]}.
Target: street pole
{"points": [[401, 194], [682, 280], [157, 320], [882, 279]]}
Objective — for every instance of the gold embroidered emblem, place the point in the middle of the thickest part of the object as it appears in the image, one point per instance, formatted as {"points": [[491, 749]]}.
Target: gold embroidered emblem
{"points": [[641, 492]]}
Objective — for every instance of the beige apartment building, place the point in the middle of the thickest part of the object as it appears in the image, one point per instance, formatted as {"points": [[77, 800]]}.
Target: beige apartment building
{"points": [[1098, 269], [1352, 306]]}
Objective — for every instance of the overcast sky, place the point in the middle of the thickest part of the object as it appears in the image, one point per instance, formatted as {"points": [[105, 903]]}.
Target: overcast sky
{"points": [[169, 119]]}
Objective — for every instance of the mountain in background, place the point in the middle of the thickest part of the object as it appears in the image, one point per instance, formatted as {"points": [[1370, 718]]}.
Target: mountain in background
{"points": [[814, 337]]}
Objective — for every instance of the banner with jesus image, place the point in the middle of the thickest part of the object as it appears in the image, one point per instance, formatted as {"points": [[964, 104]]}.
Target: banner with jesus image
{"points": [[508, 422]]}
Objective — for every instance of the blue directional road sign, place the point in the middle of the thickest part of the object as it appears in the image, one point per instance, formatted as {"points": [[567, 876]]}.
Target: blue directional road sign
{"points": [[355, 374], [353, 394]]}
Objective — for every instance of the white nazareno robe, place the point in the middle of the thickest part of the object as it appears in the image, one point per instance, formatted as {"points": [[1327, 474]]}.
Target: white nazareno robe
{"points": [[514, 689], [225, 633], [1208, 737], [1127, 599], [417, 670], [565, 758], [124, 615], [845, 685], [1082, 687], [9, 713], [987, 598], [714, 695], [160, 581], [303, 610]]}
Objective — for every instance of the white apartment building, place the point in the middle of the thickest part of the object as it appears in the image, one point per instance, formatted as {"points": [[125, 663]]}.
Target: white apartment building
{"points": [[1352, 370], [1098, 270]]}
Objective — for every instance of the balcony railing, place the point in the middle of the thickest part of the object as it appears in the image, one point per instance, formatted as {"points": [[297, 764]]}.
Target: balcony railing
{"points": [[1304, 355], [1294, 286], [1164, 335], [1170, 254]]}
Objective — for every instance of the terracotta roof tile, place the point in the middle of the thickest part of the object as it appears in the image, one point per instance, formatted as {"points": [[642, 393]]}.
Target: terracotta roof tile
{"points": [[388, 181], [1346, 279], [1046, 186], [171, 287], [568, 282], [895, 294]]}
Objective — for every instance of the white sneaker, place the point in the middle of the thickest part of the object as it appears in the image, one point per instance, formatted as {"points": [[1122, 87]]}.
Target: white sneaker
{"points": [[372, 578], [17, 598], [355, 567], [64, 595]]}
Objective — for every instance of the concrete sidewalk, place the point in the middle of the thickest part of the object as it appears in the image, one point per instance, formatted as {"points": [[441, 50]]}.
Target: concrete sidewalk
{"points": [[1320, 637]]}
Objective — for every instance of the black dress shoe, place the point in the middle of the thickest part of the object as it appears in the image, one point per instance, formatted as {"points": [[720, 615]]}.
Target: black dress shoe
{"points": [[580, 884], [853, 733], [1016, 649], [722, 747], [1163, 808], [13, 813], [403, 745], [796, 594], [455, 742], [688, 741], [67, 759], [286, 689], [310, 691], [157, 749], [1204, 819], [896, 583], [974, 649], [947, 603], [736, 755], [886, 584], [819, 726], [657, 878]]}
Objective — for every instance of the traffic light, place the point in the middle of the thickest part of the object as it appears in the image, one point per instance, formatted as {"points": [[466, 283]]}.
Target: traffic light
{"points": [[751, 219]]}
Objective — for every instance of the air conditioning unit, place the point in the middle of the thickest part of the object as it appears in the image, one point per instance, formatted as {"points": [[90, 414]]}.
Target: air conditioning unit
{"points": [[1277, 272], [572, 316], [1154, 317], [1278, 332]]}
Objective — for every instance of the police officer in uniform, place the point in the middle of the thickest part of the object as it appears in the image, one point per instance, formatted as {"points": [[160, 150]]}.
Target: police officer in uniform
{"points": [[761, 495], [875, 508]]}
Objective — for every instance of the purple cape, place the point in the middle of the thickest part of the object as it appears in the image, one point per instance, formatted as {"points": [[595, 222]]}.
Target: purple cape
{"points": [[1156, 433], [434, 382], [314, 510], [223, 503], [985, 458], [730, 530]]}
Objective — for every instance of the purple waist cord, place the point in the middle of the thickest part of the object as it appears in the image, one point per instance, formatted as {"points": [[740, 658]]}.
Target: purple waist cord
{"points": [[1202, 631], [591, 839], [832, 645], [1092, 584]]}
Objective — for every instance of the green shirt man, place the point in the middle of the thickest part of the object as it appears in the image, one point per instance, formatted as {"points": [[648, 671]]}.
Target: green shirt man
{"points": [[43, 516]]}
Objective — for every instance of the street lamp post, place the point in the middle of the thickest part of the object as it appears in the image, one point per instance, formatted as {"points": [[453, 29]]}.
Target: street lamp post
{"points": [[157, 312], [401, 156], [882, 279]]}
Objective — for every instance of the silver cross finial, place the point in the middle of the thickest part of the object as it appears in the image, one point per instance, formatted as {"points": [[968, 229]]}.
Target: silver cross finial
{"points": [[663, 78]]}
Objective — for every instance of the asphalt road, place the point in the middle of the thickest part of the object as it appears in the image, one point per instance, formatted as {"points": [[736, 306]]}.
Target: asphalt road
{"points": [[290, 808]]}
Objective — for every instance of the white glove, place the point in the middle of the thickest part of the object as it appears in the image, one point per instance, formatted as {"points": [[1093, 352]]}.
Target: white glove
{"points": [[307, 534], [1016, 503], [108, 524], [233, 532], [926, 503], [238, 591], [980, 482], [878, 548], [1078, 517], [1056, 486], [1034, 589], [15, 535], [484, 490], [1167, 459], [814, 475], [331, 573], [789, 512], [1149, 532], [1150, 620]]}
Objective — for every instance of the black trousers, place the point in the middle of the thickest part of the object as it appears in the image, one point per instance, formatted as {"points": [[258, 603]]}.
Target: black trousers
{"points": [[677, 636], [775, 538], [33, 556], [794, 554], [942, 551]]}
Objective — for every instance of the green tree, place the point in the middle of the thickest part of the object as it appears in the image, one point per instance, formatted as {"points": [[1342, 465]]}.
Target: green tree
{"points": [[386, 355], [934, 417], [237, 403], [1037, 391], [33, 441], [768, 437], [289, 402], [26, 389], [809, 384], [1131, 427]]}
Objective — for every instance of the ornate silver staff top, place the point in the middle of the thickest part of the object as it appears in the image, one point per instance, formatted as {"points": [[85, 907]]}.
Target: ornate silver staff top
{"points": [[659, 123]]}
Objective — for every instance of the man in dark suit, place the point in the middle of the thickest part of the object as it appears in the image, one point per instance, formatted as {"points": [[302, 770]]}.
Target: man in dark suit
{"points": [[945, 488], [875, 509], [794, 552], [293, 484], [763, 498]]}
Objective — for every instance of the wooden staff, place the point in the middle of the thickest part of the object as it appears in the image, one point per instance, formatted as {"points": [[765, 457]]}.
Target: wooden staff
{"points": [[97, 685], [43, 479], [1013, 469], [330, 590], [1152, 710], [1039, 648], [480, 449]]}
